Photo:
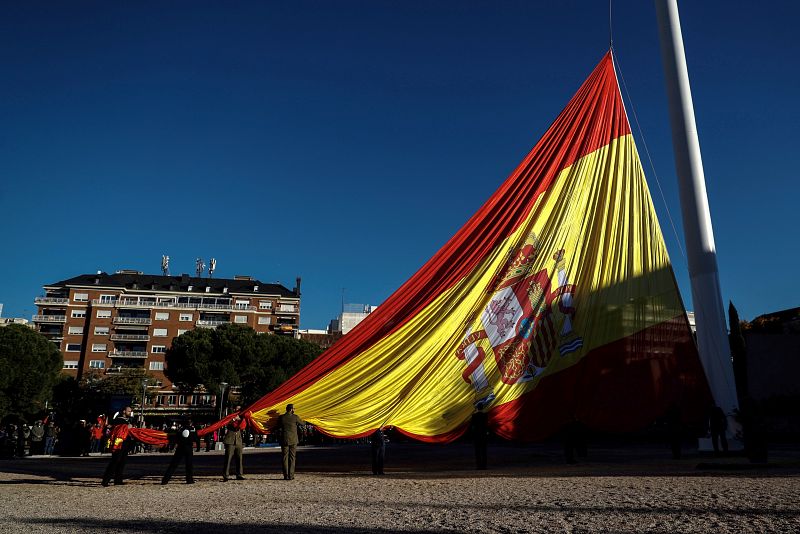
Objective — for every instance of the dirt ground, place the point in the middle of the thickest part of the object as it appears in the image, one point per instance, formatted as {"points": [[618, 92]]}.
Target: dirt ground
{"points": [[426, 489]]}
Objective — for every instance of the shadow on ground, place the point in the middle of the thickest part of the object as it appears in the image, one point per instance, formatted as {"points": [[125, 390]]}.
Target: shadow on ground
{"points": [[412, 460], [179, 527]]}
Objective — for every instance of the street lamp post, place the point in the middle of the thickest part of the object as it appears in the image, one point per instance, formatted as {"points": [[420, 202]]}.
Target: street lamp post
{"points": [[144, 397], [222, 387]]}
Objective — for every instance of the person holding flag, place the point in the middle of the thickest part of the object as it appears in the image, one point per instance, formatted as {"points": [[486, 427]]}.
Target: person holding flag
{"points": [[234, 446], [287, 433], [185, 439], [120, 445]]}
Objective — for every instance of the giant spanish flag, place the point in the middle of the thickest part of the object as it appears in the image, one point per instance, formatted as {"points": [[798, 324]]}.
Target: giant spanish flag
{"points": [[555, 302]]}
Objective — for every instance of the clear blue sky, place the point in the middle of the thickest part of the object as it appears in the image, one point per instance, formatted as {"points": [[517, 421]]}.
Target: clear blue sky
{"points": [[346, 141]]}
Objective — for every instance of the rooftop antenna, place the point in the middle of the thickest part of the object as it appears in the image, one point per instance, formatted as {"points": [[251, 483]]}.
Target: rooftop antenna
{"points": [[165, 265], [212, 266], [200, 266]]}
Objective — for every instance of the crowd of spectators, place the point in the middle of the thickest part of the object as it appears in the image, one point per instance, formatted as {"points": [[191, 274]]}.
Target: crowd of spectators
{"points": [[84, 437]]}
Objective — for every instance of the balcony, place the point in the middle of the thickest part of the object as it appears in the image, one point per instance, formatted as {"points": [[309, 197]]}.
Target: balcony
{"points": [[132, 320], [118, 370], [129, 337], [49, 318], [139, 303], [205, 323], [103, 302], [138, 354], [53, 334], [135, 303], [178, 305], [203, 306], [51, 300]]}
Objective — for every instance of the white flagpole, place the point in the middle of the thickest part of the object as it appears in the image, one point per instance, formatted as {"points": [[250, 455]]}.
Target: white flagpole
{"points": [[712, 335]]}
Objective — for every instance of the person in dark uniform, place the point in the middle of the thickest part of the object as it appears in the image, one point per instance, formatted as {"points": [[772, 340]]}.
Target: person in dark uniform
{"points": [[480, 437], [287, 429], [23, 434], [185, 438], [572, 441], [718, 424], [120, 445], [378, 441], [209, 439], [234, 446], [674, 430]]}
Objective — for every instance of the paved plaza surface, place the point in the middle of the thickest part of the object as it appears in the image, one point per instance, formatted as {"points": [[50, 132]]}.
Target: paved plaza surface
{"points": [[427, 488]]}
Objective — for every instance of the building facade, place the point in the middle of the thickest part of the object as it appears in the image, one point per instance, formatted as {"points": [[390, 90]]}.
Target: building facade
{"points": [[351, 316], [109, 323], [773, 358], [324, 339], [5, 321]]}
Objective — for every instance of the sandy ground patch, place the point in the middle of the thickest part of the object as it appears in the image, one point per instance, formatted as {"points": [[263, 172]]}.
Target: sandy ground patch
{"points": [[526, 492]]}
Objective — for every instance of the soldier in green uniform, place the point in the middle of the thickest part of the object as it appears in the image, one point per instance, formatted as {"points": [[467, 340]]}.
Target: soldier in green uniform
{"points": [[234, 446], [287, 429]]}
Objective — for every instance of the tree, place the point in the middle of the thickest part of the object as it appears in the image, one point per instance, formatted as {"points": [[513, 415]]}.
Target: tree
{"points": [[738, 352], [279, 358], [126, 382], [237, 355], [93, 393], [31, 366]]}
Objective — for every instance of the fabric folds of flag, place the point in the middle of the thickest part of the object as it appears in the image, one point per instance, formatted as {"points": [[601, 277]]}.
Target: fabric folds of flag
{"points": [[555, 302]]}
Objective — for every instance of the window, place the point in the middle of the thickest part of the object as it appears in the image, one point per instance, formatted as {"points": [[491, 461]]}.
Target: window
{"points": [[264, 304], [80, 313], [97, 364], [240, 319], [103, 314], [159, 332], [99, 347], [182, 400], [155, 349], [162, 316], [264, 320], [181, 332], [101, 330], [185, 317], [70, 364], [108, 299], [242, 304], [75, 330], [156, 366], [73, 347], [81, 297]]}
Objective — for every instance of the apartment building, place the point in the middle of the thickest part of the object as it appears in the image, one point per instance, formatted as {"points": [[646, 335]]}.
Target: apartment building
{"points": [[351, 316], [108, 323]]}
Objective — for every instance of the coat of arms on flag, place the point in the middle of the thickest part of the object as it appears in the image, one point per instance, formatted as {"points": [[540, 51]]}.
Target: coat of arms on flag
{"points": [[526, 319]]}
